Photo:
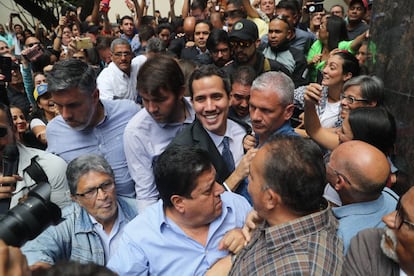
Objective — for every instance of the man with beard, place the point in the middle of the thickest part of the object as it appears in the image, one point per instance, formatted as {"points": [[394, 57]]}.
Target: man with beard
{"points": [[161, 85], [87, 124], [128, 32], [119, 79], [291, 60], [356, 13], [385, 251], [244, 40], [218, 46], [242, 80]]}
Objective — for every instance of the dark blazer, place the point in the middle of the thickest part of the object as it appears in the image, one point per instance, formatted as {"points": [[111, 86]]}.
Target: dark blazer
{"points": [[196, 135]]}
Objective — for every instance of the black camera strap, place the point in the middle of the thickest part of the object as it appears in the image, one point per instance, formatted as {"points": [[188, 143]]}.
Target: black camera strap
{"points": [[35, 171]]}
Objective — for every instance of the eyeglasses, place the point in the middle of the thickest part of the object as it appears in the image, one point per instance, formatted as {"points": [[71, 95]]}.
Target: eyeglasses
{"points": [[106, 187], [3, 132], [241, 44], [339, 174], [122, 54], [284, 18], [351, 100], [32, 44], [399, 220]]}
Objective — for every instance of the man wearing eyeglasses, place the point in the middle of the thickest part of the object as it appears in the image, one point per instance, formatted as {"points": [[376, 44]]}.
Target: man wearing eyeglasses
{"points": [[385, 251], [358, 172], [92, 224], [119, 79]]}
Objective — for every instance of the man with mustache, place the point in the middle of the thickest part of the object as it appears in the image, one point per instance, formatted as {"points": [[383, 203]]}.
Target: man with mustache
{"points": [[92, 223], [119, 79], [242, 80], [193, 225], [385, 251]]}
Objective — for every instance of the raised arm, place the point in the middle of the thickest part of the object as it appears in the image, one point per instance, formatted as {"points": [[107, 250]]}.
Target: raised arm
{"points": [[323, 136], [251, 12]]}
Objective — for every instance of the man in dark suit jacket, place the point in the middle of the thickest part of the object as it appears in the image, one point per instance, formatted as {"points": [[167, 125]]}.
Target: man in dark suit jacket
{"points": [[199, 53], [209, 90]]}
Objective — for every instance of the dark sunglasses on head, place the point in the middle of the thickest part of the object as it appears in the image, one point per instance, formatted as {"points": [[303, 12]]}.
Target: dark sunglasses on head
{"points": [[3, 131], [232, 13]]}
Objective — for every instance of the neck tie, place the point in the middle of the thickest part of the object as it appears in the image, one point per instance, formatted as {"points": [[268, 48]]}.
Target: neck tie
{"points": [[227, 155]]}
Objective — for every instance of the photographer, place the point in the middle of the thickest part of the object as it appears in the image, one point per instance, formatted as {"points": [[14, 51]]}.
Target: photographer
{"points": [[17, 186]]}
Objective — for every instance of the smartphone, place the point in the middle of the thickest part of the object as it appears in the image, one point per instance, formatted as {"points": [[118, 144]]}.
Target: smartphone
{"points": [[6, 68], [84, 43], [34, 52]]}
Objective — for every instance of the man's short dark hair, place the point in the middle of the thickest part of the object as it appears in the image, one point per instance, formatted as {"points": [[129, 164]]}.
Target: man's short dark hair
{"points": [[176, 171], [72, 73], [295, 169], [209, 71], [160, 72], [215, 37], [126, 17]]}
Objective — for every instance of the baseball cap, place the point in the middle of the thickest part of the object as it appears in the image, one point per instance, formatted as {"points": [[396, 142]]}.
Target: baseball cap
{"points": [[244, 29], [363, 2], [40, 90]]}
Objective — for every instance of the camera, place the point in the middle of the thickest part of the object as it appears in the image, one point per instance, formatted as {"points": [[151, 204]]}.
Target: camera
{"points": [[30, 217], [314, 7]]}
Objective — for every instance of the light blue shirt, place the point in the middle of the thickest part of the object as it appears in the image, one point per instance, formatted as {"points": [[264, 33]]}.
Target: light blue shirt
{"points": [[110, 242], [74, 238], [359, 216], [154, 245], [105, 139], [144, 140]]}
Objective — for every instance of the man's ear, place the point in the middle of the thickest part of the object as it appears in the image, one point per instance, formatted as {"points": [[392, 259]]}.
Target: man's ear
{"points": [[272, 199], [289, 111], [178, 203], [257, 43]]}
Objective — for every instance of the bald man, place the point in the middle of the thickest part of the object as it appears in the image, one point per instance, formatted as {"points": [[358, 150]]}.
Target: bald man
{"points": [[185, 39], [358, 172]]}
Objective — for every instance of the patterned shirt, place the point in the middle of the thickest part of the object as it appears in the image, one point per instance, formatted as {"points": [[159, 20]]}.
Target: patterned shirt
{"points": [[305, 246]]}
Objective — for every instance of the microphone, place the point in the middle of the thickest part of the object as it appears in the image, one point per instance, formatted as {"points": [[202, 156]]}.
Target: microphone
{"points": [[10, 160], [10, 163]]}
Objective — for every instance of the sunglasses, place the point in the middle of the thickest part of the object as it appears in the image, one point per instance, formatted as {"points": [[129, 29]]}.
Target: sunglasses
{"points": [[241, 44], [232, 13], [32, 44], [3, 131]]}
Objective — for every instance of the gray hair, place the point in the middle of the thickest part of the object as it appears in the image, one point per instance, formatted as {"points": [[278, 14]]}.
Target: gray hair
{"points": [[155, 45], [119, 41], [278, 82], [372, 88], [84, 164], [71, 73]]}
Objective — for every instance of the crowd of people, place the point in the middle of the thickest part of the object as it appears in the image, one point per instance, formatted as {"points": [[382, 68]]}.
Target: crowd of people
{"points": [[239, 138]]}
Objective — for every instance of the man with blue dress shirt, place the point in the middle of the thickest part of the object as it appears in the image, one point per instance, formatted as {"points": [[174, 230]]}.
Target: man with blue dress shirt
{"points": [[192, 226], [87, 124]]}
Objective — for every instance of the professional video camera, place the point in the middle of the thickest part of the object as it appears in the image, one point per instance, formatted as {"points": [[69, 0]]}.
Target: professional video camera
{"points": [[30, 217], [315, 6]]}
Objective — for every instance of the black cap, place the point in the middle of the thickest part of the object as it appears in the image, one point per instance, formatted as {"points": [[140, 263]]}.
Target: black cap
{"points": [[244, 29]]}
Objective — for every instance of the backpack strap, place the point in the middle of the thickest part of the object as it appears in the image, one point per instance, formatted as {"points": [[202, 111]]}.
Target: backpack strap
{"points": [[35, 171]]}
